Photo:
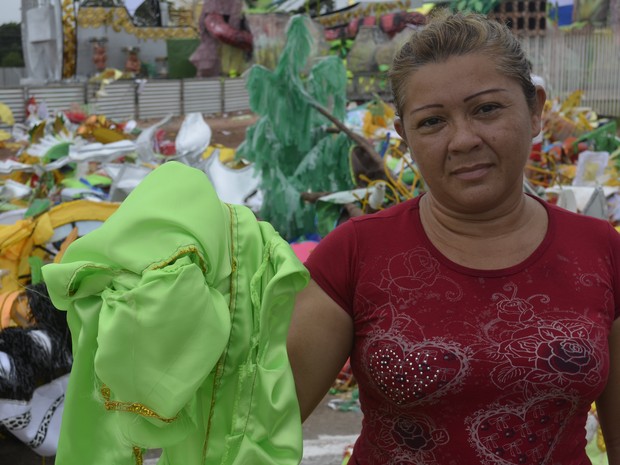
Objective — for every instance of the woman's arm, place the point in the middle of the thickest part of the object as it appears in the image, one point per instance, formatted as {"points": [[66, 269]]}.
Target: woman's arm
{"points": [[319, 343], [608, 405]]}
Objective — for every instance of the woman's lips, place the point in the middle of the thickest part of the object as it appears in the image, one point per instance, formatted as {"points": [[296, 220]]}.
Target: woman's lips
{"points": [[472, 172]]}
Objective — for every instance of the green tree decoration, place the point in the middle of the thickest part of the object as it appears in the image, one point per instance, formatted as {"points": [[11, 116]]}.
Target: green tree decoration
{"points": [[290, 144]]}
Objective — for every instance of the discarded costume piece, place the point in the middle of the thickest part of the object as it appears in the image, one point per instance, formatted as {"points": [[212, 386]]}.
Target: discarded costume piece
{"points": [[179, 307], [35, 359], [41, 236]]}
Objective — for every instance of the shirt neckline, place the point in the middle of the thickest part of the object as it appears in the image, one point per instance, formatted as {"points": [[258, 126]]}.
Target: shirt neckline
{"points": [[527, 262]]}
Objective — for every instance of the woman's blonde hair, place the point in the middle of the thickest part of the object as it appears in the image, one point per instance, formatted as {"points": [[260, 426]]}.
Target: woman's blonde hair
{"points": [[456, 34]]}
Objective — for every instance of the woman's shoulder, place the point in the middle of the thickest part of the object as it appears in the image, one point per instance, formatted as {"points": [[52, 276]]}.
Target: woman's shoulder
{"points": [[567, 217], [581, 228]]}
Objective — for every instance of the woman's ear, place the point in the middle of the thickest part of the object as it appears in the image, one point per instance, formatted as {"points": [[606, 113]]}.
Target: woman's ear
{"points": [[398, 125], [541, 98]]}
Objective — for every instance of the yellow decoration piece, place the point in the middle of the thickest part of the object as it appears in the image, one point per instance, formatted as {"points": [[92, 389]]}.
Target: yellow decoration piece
{"points": [[118, 18], [226, 154], [568, 171], [107, 76], [208, 152], [572, 101], [69, 42], [376, 9], [425, 9], [106, 136], [590, 172], [613, 177], [600, 440], [19, 241], [4, 136], [6, 115]]}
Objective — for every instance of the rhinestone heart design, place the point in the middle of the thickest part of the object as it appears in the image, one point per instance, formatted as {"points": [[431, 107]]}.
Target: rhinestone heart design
{"points": [[420, 374]]}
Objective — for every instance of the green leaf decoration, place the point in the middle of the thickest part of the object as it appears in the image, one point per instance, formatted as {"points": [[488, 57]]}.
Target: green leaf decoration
{"points": [[36, 263], [37, 207], [57, 151]]}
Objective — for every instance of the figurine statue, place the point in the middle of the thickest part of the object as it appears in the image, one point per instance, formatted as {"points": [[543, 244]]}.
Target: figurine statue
{"points": [[100, 54], [132, 63], [221, 22]]}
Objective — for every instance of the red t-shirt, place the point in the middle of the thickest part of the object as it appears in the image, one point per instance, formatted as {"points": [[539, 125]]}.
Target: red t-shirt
{"points": [[464, 366]]}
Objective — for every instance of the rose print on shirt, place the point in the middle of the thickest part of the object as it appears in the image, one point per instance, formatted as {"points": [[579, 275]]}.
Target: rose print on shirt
{"points": [[411, 439], [416, 435], [516, 309], [411, 275], [555, 353]]}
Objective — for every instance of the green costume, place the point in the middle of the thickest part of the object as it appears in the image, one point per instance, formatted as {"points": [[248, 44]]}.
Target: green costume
{"points": [[179, 307]]}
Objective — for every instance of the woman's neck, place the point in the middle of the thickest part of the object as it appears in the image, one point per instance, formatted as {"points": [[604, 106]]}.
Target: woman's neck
{"points": [[498, 221], [495, 239]]}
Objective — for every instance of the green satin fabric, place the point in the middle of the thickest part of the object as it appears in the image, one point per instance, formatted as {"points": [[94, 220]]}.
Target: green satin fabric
{"points": [[179, 304]]}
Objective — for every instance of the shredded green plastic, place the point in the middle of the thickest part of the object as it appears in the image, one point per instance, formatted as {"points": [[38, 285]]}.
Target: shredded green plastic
{"points": [[36, 275], [37, 206]]}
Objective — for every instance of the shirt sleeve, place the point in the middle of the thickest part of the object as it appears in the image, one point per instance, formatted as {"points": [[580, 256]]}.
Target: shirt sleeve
{"points": [[332, 265]]}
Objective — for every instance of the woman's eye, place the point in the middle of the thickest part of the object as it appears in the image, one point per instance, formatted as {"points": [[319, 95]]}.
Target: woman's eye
{"points": [[429, 122], [488, 107]]}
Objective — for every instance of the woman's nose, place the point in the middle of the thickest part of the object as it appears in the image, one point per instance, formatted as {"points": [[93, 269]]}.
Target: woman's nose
{"points": [[464, 137]]}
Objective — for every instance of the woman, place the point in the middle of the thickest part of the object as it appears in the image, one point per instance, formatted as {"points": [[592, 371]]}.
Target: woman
{"points": [[481, 322]]}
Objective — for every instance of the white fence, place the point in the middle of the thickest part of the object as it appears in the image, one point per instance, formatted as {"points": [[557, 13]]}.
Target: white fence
{"points": [[580, 60]]}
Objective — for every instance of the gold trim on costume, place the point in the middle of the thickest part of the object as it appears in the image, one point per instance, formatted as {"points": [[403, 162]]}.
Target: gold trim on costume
{"points": [[132, 407], [137, 453]]}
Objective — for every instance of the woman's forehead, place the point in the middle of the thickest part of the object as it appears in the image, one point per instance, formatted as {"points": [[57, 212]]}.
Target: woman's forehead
{"points": [[455, 68], [456, 80]]}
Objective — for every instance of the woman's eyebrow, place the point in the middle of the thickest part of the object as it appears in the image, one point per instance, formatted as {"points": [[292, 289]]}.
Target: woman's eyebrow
{"points": [[482, 92]]}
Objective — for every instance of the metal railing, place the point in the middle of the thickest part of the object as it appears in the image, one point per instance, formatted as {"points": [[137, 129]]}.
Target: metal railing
{"points": [[134, 99]]}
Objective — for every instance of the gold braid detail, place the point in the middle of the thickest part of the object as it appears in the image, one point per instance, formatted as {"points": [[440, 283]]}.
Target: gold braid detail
{"points": [[137, 453], [132, 407]]}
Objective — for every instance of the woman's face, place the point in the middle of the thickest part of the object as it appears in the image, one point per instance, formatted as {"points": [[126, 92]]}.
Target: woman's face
{"points": [[469, 129]]}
